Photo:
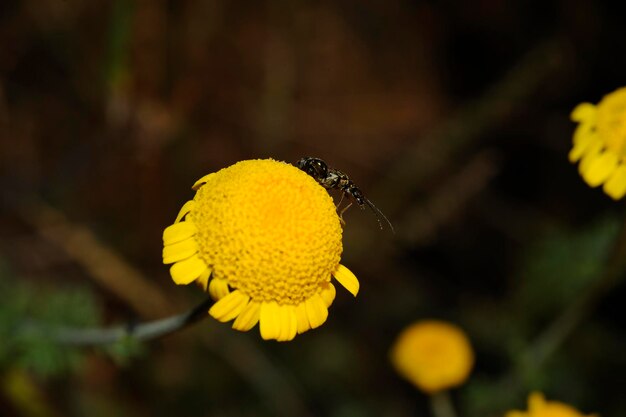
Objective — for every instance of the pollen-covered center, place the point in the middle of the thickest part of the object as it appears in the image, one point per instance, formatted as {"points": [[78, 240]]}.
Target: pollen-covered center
{"points": [[611, 121], [268, 229]]}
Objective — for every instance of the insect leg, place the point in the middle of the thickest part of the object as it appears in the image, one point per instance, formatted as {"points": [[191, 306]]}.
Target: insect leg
{"points": [[343, 210], [340, 200]]}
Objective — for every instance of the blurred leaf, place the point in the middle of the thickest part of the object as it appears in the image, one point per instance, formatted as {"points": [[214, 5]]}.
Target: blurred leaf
{"points": [[41, 355], [30, 346], [124, 350], [119, 37], [71, 307], [558, 267]]}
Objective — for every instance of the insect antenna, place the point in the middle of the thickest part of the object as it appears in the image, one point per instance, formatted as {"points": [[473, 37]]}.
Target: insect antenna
{"points": [[379, 215]]}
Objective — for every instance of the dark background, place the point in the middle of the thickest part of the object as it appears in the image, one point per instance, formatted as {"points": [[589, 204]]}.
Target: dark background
{"points": [[452, 117]]}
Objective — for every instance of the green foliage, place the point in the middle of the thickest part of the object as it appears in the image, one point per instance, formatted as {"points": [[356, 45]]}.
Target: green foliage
{"points": [[71, 307], [558, 267], [28, 317], [555, 271], [125, 350], [478, 400], [42, 355], [116, 62]]}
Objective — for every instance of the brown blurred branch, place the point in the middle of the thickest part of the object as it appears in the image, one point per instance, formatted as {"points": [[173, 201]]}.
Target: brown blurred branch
{"points": [[102, 264], [433, 151], [423, 221]]}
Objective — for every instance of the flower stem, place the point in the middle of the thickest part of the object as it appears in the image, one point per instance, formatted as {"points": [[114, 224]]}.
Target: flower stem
{"points": [[441, 404], [106, 336]]}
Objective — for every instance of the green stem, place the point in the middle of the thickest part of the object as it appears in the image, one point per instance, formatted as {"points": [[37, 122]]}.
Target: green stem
{"points": [[441, 404], [106, 336]]}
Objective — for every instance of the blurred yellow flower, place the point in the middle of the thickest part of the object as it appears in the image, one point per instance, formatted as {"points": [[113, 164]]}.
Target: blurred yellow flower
{"points": [[21, 389], [264, 239], [539, 407], [600, 143], [433, 355]]}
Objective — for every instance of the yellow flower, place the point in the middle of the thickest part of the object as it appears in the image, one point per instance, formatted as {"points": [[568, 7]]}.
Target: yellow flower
{"points": [[433, 355], [600, 143], [539, 407], [264, 239]]}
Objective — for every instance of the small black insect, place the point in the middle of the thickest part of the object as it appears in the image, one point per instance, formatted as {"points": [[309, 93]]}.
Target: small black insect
{"points": [[333, 179]]}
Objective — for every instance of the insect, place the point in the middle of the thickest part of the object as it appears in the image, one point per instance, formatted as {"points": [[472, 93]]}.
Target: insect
{"points": [[333, 179]]}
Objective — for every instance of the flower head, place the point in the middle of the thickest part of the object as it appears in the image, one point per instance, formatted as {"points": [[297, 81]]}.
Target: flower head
{"points": [[600, 143], [264, 239], [539, 407], [433, 355]]}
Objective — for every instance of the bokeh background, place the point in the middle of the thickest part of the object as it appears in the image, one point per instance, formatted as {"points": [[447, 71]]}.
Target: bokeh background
{"points": [[452, 117]]}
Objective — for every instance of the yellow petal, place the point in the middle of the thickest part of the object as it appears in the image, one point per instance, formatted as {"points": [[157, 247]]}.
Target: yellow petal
{"points": [[591, 153], [186, 271], [288, 323], [536, 401], [302, 318], [187, 207], [293, 323], [615, 187], [179, 251], [600, 168], [203, 279], [230, 306], [584, 130], [328, 293], [316, 311], [178, 232], [516, 414], [269, 321], [584, 136], [248, 317], [583, 112], [218, 289], [347, 279], [201, 182]]}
